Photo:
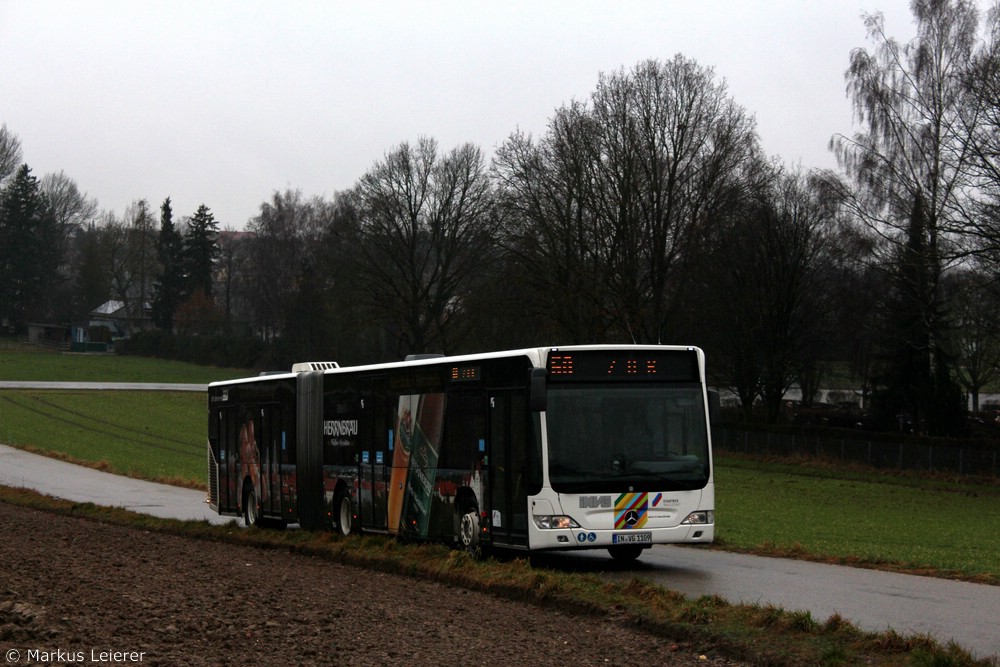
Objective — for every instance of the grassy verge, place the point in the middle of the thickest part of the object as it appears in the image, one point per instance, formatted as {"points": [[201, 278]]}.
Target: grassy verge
{"points": [[860, 518], [754, 633], [23, 363], [158, 436]]}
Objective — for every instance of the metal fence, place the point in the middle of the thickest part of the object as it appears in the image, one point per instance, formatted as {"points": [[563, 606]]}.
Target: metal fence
{"points": [[899, 455]]}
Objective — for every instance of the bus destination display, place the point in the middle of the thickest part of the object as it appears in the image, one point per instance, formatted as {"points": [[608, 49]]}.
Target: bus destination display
{"points": [[598, 365]]}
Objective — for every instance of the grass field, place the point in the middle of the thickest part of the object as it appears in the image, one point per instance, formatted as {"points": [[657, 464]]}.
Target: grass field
{"points": [[860, 518], [22, 363], [152, 435]]}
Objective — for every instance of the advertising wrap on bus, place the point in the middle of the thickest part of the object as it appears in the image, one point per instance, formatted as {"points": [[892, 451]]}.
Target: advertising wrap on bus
{"points": [[413, 495], [544, 448]]}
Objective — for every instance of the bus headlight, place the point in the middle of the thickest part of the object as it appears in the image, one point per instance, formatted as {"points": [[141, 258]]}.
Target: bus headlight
{"points": [[549, 522], [699, 517]]}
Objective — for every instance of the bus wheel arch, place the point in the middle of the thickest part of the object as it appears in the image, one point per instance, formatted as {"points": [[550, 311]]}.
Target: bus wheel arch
{"points": [[343, 510], [626, 553]]}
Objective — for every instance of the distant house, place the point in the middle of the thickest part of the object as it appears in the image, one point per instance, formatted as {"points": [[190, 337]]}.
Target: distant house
{"points": [[112, 316], [48, 334]]}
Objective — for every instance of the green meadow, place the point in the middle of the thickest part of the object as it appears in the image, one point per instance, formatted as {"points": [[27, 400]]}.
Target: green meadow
{"points": [[23, 363], [151, 435], [860, 518]]}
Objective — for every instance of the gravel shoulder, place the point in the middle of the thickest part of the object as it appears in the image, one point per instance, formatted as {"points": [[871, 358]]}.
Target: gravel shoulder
{"points": [[75, 591]]}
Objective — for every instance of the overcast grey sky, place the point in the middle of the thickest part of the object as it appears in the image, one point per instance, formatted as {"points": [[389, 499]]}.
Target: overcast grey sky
{"points": [[223, 103]]}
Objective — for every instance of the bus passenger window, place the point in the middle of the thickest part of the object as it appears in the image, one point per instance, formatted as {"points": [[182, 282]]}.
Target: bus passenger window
{"points": [[465, 427]]}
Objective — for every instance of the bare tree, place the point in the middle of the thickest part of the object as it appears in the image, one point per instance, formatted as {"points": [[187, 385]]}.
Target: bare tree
{"points": [[545, 193], [131, 253], [609, 208], [73, 209], [673, 151], [857, 286], [120, 264], [284, 231], [10, 153], [233, 271], [426, 224], [771, 262], [981, 123], [908, 167], [975, 334]]}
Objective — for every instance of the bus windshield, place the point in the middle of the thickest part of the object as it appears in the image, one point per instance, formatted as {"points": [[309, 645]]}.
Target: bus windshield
{"points": [[608, 438]]}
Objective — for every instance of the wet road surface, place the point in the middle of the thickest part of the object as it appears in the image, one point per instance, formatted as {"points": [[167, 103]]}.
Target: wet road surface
{"points": [[870, 599], [59, 479]]}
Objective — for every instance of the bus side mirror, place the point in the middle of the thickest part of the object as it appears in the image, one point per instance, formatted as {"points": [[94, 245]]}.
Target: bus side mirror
{"points": [[537, 397], [714, 406]]}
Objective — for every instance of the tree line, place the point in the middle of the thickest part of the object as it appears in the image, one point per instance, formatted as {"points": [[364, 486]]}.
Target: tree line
{"points": [[647, 213]]}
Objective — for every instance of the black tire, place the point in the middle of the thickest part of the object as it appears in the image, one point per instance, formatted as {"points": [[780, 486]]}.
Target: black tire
{"points": [[343, 513], [251, 508], [625, 553]]}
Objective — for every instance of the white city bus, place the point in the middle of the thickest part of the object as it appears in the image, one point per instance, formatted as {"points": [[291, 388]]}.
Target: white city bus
{"points": [[581, 447]]}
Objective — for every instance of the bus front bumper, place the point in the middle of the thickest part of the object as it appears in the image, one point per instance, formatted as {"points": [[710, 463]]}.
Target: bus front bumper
{"points": [[586, 538]]}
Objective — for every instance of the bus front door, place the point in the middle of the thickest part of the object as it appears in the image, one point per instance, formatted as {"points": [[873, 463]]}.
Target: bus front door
{"points": [[507, 466], [270, 459], [228, 463]]}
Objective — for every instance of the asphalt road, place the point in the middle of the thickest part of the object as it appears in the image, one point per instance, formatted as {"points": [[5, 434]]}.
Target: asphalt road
{"points": [[56, 478], [967, 613], [119, 386]]}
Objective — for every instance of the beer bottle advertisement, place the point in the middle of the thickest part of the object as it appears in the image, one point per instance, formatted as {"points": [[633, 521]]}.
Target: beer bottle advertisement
{"points": [[402, 443], [424, 447]]}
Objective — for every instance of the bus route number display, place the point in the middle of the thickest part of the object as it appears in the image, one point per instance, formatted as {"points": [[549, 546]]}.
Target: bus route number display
{"points": [[596, 365], [465, 374]]}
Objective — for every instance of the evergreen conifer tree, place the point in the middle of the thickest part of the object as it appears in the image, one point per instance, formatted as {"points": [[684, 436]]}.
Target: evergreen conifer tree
{"points": [[169, 289], [28, 249], [201, 249]]}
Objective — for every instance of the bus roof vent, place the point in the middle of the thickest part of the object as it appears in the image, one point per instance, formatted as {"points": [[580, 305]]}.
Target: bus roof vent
{"points": [[314, 366], [418, 357]]}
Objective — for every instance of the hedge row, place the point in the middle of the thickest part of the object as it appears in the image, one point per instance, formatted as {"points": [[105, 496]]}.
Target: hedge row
{"points": [[223, 351]]}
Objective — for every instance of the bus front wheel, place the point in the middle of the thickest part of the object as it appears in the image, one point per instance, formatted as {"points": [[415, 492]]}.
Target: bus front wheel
{"points": [[468, 531]]}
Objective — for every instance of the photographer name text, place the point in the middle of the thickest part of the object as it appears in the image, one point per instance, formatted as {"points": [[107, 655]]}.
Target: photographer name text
{"points": [[104, 656]]}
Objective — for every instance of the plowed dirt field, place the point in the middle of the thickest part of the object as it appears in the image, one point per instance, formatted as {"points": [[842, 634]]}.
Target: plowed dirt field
{"points": [[75, 591]]}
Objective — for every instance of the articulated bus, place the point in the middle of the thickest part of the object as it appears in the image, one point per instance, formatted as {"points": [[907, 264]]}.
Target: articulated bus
{"points": [[578, 447]]}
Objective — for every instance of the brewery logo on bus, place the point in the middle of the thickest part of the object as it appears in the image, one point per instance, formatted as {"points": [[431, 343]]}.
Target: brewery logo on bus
{"points": [[340, 427]]}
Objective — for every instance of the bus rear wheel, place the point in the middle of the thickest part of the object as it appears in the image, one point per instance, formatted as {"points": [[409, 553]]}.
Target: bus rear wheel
{"points": [[625, 553], [344, 514], [251, 509]]}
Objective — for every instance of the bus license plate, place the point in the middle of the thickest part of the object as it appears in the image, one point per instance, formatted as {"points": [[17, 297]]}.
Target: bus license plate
{"points": [[632, 538]]}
